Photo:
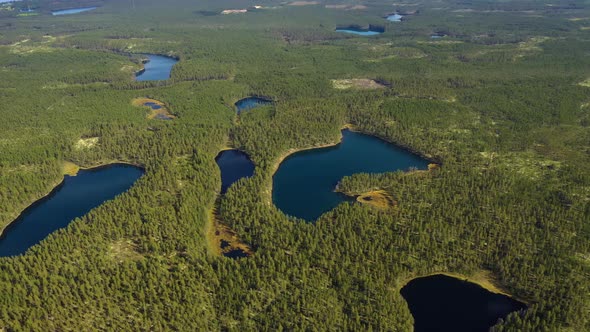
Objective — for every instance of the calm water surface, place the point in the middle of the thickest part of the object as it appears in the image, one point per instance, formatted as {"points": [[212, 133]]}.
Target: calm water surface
{"points": [[75, 197], [304, 184], [234, 165], [249, 103], [153, 106], [442, 303], [72, 11], [359, 32], [158, 68]]}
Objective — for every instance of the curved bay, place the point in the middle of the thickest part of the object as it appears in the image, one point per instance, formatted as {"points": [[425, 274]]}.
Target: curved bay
{"points": [[304, 183]]}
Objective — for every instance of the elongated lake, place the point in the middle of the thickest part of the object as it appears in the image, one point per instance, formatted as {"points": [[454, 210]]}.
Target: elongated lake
{"points": [[234, 165], [359, 32], [304, 183], [249, 103], [442, 303], [72, 11], [75, 197], [157, 68]]}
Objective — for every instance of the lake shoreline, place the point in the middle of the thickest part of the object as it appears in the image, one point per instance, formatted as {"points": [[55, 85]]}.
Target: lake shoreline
{"points": [[275, 166], [348, 126], [482, 278], [58, 185], [142, 70]]}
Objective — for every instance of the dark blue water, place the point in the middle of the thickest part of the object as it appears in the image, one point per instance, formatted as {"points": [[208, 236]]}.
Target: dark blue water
{"points": [[72, 11], [304, 184], [234, 165], [157, 68], [153, 106], [442, 303], [236, 253], [359, 32], [249, 103], [73, 198], [394, 18]]}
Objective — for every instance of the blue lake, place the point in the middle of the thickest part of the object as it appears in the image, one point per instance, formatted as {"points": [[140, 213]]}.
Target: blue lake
{"points": [[234, 165], [75, 197], [249, 103], [394, 18], [153, 106], [71, 11], [359, 32], [157, 68], [304, 183], [442, 303]]}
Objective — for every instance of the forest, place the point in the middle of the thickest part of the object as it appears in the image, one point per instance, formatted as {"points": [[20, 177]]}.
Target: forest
{"points": [[501, 103]]}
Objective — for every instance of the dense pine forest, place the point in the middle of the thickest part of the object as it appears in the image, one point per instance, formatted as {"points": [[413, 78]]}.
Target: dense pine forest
{"points": [[501, 103]]}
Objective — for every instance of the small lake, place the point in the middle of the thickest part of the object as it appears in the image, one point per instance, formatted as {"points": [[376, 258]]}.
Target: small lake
{"points": [[394, 18], [157, 68], [304, 183], [437, 36], [234, 165], [358, 31], [443, 303], [153, 106], [249, 103], [72, 11], [75, 197]]}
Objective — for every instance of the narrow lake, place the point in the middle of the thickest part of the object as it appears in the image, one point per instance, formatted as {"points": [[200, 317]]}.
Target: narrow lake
{"points": [[443, 303], [249, 103], [234, 165], [75, 197], [304, 183], [360, 32], [157, 68], [72, 11]]}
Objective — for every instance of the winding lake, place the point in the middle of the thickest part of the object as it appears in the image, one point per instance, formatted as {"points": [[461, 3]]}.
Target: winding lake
{"points": [[75, 197], [72, 11], [304, 183], [360, 32], [157, 68], [249, 103], [443, 303], [234, 165]]}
